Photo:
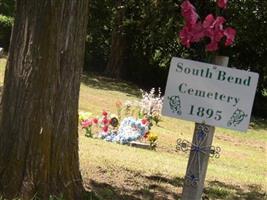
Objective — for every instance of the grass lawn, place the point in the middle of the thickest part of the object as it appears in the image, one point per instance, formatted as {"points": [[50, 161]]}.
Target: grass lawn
{"points": [[116, 171]]}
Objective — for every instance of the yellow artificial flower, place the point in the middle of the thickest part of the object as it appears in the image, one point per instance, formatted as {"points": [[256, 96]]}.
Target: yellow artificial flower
{"points": [[84, 115], [152, 137]]}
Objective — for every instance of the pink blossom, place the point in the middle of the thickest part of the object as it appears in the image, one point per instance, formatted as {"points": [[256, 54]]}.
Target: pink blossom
{"points": [[218, 23], [230, 36], [185, 36], [86, 123], [211, 27], [189, 12], [211, 23], [215, 37], [212, 46], [208, 21], [191, 33], [222, 3], [197, 32], [214, 30]]}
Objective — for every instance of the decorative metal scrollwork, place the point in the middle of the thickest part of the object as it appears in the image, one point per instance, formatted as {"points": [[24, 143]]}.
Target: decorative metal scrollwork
{"points": [[237, 117], [175, 104], [191, 179], [202, 131], [215, 152], [183, 145], [198, 149]]}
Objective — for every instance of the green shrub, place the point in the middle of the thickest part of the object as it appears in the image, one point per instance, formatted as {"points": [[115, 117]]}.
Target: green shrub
{"points": [[5, 30]]}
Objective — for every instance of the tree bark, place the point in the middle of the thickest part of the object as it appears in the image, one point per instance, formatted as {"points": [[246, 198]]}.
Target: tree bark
{"points": [[118, 44], [39, 122]]}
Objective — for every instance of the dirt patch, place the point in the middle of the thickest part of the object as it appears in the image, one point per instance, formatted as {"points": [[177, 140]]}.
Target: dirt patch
{"points": [[123, 184], [238, 142], [117, 184]]}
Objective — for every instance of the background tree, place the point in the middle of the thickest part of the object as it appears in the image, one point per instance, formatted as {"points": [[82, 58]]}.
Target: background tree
{"points": [[150, 34], [99, 31], [118, 43], [151, 29], [38, 130], [250, 52]]}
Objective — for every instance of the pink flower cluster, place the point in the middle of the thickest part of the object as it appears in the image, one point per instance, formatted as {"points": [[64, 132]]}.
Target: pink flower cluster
{"points": [[87, 123], [195, 30]]}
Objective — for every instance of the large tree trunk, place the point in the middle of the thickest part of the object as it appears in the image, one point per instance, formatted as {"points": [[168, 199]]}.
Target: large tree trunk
{"points": [[38, 133], [118, 44]]}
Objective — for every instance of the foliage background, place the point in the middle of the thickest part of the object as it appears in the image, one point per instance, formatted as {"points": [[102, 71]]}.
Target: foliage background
{"points": [[151, 27], [6, 21]]}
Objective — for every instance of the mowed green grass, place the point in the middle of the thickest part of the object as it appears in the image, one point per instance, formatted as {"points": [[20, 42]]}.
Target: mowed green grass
{"points": [[116, 171]]}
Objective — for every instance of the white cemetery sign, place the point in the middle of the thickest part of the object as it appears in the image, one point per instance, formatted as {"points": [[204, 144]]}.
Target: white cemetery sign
{"points": [[210, 94]]}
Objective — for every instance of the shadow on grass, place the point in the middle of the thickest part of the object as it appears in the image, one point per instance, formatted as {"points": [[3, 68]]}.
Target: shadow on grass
{"points": [[176, 182], [259, 124], [220, 190], [150, 190], [158, 187], [105, 83]]}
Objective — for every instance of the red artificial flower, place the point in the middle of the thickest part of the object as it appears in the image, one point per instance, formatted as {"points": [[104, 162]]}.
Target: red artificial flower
{"points": [[105, 121], [222, 3], [144, 121], [104, 113], [189, 13], [230, 36], [86, 123], [105, 129], [95, 121]]}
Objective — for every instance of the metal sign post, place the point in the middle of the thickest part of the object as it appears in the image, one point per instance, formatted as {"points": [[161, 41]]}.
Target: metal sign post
{"points": [[212, 96], [199, 155]]}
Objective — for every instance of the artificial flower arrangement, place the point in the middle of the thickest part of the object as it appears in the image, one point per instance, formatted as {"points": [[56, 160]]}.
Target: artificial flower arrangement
{"points": [[132, 122], [212, 27], [148, 107], [151, 105], [103, 125], [107, 127]]}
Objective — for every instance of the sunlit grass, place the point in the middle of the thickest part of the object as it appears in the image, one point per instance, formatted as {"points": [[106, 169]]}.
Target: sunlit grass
{"points": [[240, 172]]}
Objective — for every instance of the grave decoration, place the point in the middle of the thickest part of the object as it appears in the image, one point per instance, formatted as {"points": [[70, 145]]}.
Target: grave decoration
{"points": [[133, 121], [207, 94]]}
